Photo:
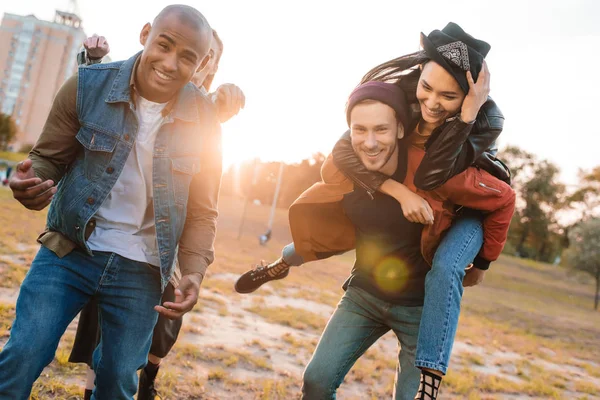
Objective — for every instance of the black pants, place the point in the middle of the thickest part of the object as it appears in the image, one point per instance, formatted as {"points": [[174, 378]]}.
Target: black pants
{"points": [[87, 337]]}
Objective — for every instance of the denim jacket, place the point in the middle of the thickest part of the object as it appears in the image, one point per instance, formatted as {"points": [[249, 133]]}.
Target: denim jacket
{"points": [[186, 166]]}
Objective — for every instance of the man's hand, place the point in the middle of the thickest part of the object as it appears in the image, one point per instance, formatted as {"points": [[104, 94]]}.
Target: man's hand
{"points": [[96, 47], [229, 99], [30, 190], [474, 276], [477, 96], [186, 297]]}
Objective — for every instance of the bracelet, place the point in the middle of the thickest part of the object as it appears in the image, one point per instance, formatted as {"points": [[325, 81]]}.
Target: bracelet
{"points": [[92, 60], [468, 123], [457, 117]]}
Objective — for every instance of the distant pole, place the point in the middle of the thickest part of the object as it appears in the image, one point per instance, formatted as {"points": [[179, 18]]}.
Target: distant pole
{"points": [[243, 217], [276, 196], [263, 239], [248, 197]]}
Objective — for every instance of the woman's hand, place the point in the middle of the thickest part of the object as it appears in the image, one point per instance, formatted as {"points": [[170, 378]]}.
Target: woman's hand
{"points": [[477, 96], [474, 276], [415, 208]]}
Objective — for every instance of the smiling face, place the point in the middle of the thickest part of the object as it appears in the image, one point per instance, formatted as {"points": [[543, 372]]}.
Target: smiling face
{"points": [[439, 94], [174, 50], [374, 135]]}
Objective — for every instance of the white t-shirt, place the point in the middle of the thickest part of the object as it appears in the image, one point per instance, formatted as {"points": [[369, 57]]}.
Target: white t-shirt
{"points": [[125, 220]]}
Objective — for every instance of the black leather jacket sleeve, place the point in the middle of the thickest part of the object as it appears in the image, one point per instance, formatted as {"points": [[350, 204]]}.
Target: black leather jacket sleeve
{"points": [[451, 149]]}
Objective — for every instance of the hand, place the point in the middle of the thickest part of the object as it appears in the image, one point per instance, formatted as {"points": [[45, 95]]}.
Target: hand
{"points": [[30, 190], [474, 276], [229, 99], [477, 96], [96, 47], [415, 208], [186, 297]]}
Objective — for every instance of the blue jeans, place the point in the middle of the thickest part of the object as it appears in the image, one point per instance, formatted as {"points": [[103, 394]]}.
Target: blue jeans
{"points": [[356, 324], [54, 291], [444, 289]]}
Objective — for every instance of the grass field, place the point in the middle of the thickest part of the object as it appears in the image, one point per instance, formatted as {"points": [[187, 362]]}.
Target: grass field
{"points": [[527, 332], [11, 156]]}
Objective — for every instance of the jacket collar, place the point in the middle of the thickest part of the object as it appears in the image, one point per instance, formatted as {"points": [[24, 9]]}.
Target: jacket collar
{"points": [[121, 90]]}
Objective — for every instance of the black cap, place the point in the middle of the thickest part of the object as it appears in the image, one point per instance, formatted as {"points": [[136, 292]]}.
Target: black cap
{"points": [[456, 51]]}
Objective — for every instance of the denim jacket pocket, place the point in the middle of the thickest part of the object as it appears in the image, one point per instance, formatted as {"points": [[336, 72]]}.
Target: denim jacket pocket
{"points": [[183, 170], [98, 150]]}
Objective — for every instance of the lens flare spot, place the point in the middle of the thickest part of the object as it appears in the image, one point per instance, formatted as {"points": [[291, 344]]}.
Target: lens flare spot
{"points": [[370, 253], [391, 274]]}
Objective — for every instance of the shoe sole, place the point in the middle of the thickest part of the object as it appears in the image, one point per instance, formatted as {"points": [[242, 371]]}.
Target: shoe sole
{"points": [[258, 287]]}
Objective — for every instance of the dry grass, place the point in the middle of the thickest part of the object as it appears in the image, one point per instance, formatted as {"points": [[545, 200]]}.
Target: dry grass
{"points": [[218, 286], [275, 389], [217, 374], [474, 359], [53, 387], [19, 227], [296, 318], [299, 344], [587, 388], [12, 156], [12, 274], [256, 343], [187, 353], [522, 307], [7, 315]]}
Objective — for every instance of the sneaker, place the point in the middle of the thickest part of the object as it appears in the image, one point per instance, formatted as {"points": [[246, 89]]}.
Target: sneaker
{"points": [[255, 278], [146, 390]]}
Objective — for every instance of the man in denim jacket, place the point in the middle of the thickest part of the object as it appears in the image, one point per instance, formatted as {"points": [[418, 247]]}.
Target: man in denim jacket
{"points": [[229, 99], [135, 150]]}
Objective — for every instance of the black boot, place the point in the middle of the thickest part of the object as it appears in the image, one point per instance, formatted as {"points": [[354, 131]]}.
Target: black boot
{"points": [[146, 390], [430, 384]]}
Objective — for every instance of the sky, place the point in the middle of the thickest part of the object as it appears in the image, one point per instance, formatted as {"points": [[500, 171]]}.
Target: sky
{"points": [[297, 61]]}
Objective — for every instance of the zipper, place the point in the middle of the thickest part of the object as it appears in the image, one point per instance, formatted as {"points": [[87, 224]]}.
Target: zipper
{"points": [[366, 188], [483, 185]]}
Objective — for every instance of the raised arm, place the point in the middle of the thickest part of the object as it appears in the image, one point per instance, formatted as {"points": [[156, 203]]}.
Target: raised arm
{"points": [[95, 48], [459, 143]]}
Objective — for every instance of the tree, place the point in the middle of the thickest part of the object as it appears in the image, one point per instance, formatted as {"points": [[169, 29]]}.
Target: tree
{"points": [[258, 179], [584, 251], [8, 131], [586, 199], [520, 162], [534, 231]]}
